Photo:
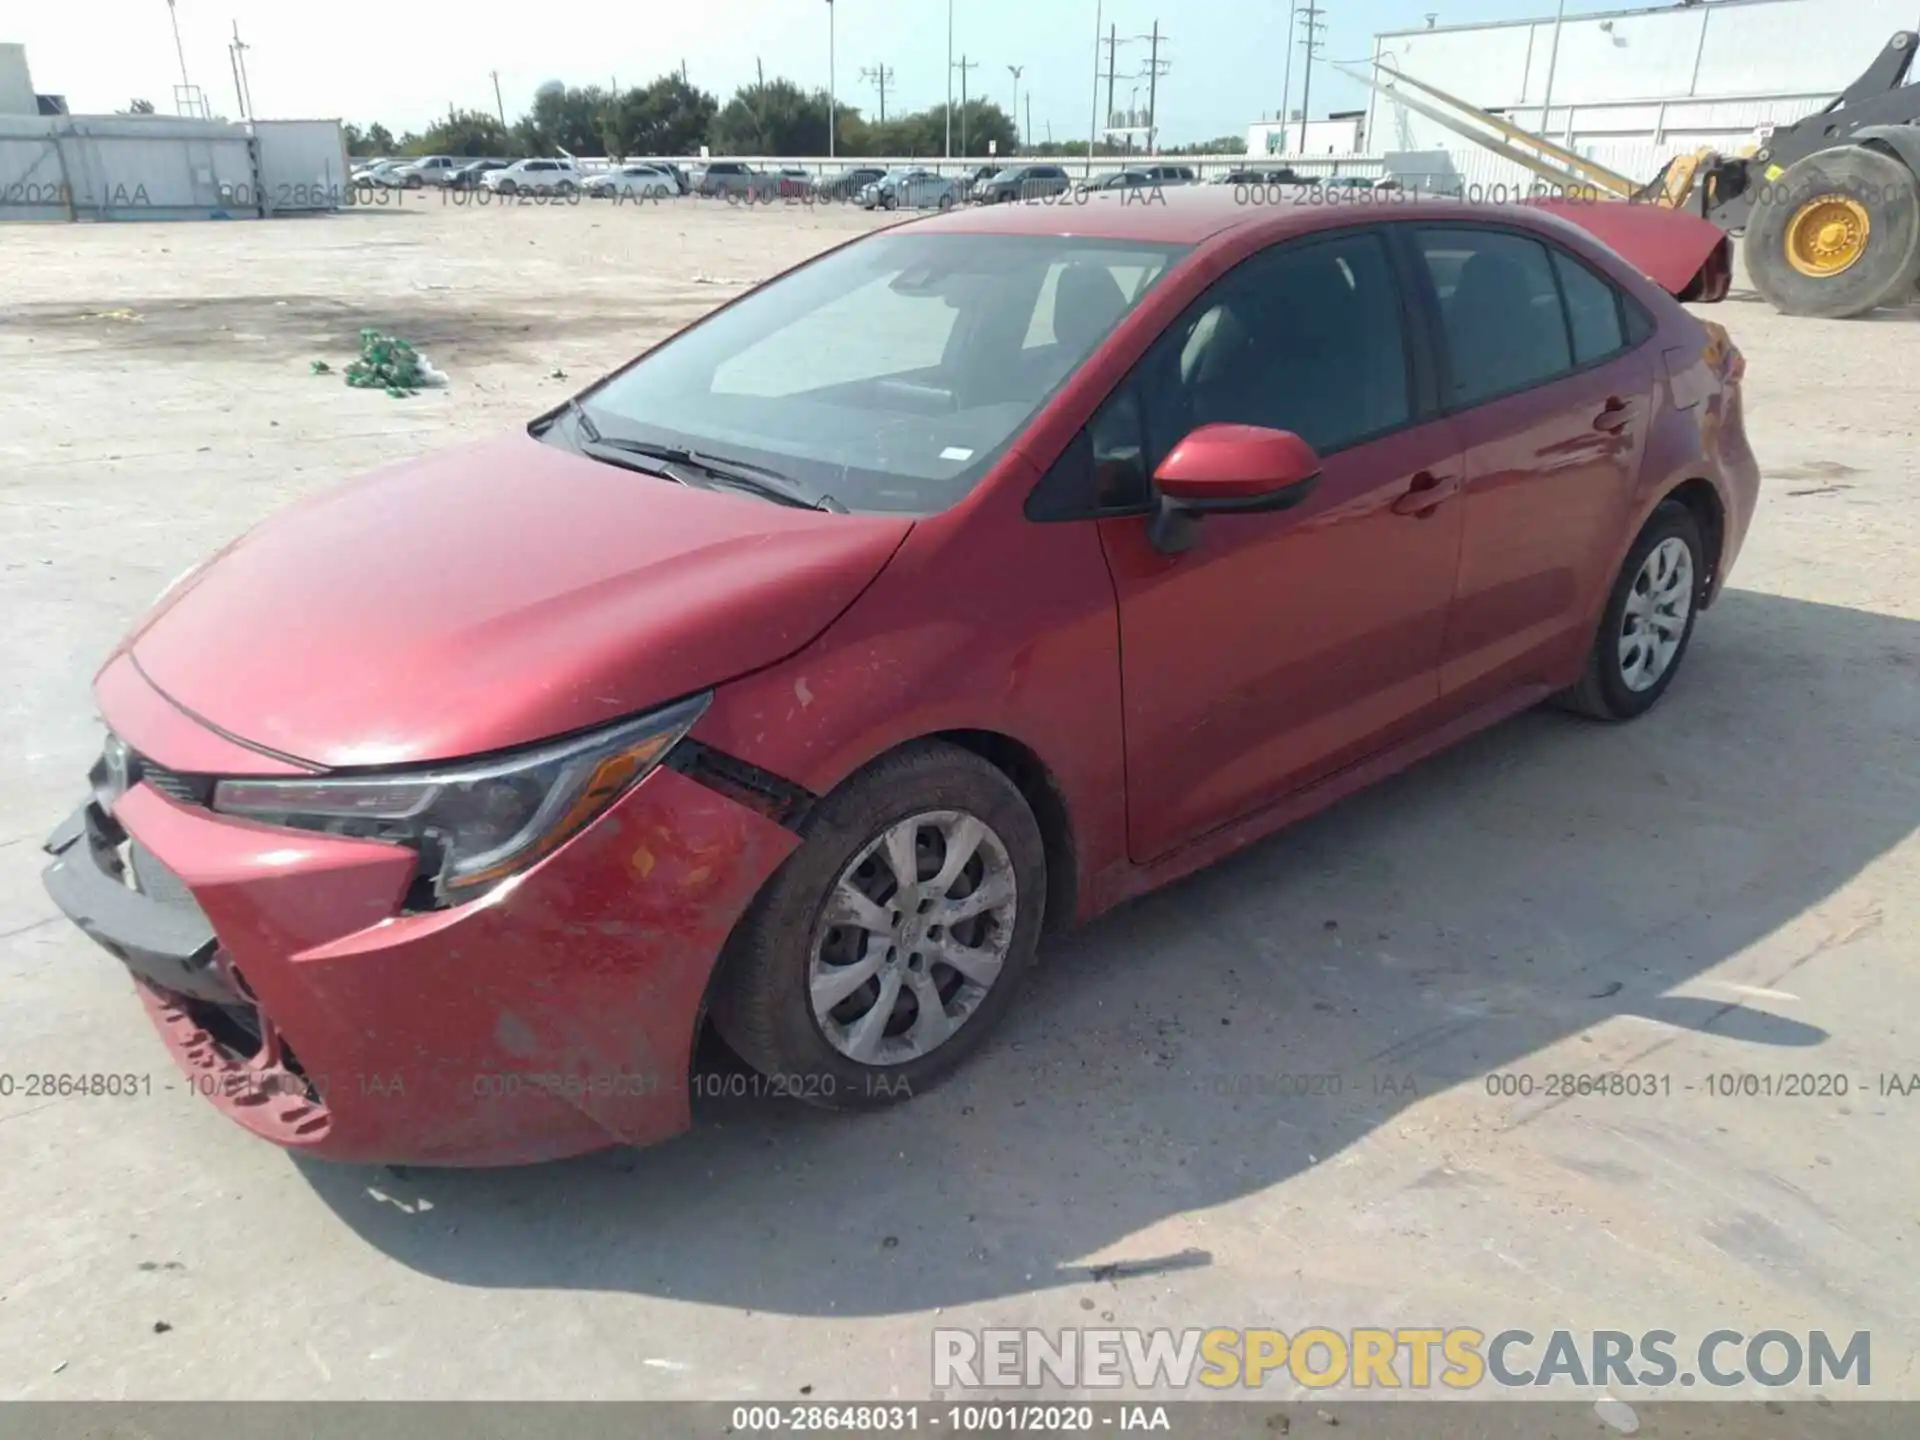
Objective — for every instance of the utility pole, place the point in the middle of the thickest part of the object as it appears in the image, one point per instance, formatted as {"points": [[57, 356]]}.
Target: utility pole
{"points": [[1153, 81], [1014, 115], [832, 103], [499, 105], [1113, 47], [683, 72], [881, 77], [949, 79], [1310, 14], [1028, 132], [963, 65], [1286, 85], [1093, 129]]}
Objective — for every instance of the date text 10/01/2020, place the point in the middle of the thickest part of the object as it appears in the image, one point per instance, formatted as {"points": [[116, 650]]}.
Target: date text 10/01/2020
{"points": [[490, 1085]]}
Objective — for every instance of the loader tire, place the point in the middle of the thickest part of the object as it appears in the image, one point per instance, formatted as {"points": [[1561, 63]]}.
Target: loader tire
{"points": [[1837, 235]]}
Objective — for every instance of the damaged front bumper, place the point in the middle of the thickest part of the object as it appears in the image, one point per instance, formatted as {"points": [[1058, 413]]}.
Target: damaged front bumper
{"points": [[553, 1016]]}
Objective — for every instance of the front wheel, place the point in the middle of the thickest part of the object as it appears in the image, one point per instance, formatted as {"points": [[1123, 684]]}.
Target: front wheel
{"points": [[1648, 623], [890, 943], [946, 202]]}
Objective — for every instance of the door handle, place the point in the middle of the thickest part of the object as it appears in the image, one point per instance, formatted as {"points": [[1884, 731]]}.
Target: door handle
{"points": [[1614, 416], [1426, 494]]}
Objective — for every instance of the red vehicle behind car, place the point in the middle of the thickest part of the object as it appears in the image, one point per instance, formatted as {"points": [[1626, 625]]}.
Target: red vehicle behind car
{"points": [[961, 583]]}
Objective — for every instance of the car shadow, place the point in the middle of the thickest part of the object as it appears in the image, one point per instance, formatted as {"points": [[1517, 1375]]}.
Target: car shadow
{"points": [[1219, 1037]]}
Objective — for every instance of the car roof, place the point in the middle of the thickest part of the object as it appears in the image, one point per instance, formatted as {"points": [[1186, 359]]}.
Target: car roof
{"points": [[1190, 214]]}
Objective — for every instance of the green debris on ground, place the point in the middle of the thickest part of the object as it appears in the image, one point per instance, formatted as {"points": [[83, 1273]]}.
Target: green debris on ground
{"points": [[386, 363], [320, 367]]}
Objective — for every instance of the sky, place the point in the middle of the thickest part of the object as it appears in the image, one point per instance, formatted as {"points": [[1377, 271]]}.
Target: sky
{"points": [[404, 64]]}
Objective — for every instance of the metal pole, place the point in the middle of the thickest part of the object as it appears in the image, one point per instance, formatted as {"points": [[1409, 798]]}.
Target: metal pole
{"points": [[963, 104], [240, 48], [1312, 12], [832, 107], [949, 79], [234, 56], [1094, 127], [1553, 60], [1286, 85], [1028, 132], [1153, 84], [499, 105], [1113, 41], [1015, 70], [178, 48]]}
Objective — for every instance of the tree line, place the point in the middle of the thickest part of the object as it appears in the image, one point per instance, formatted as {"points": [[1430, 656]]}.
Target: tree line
{"points": [[672, 117]]}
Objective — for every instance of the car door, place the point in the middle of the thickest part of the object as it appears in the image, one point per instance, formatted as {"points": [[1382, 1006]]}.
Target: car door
{"points": [[1282, 646], [1552, 408]]}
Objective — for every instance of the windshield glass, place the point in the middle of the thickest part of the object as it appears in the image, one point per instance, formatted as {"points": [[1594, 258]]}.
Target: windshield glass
{"points": [[889, 374]]}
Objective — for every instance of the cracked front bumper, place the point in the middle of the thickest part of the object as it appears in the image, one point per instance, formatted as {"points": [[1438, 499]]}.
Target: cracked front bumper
{"points": [[555, 1015]]}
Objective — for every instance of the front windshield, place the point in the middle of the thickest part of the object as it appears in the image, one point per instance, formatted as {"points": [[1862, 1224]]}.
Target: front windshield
{"points": [[889, 374]]}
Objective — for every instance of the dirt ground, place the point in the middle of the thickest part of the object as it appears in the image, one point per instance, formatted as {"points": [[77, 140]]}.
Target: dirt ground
{"points": [[1729, 887]]}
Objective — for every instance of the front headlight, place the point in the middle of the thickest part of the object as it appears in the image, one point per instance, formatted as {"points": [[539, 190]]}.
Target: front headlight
{"points": [[475, 824]]}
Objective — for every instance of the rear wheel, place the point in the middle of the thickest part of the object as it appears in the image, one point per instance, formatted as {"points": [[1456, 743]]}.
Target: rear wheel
{"points": [[890, 943], [1648, 623], [1837, 235]]}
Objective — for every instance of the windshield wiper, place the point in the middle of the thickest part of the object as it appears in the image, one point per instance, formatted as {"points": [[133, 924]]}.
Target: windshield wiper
{"points": [[741, 474]]}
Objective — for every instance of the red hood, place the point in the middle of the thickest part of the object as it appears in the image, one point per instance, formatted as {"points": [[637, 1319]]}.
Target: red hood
{"points": [[1669, 247], [492, 595]]}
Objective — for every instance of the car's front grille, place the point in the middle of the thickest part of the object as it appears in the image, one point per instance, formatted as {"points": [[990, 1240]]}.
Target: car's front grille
{"points": [[187, 789]]}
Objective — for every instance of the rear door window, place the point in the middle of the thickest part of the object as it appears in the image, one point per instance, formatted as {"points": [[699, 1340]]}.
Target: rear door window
{"points": [[1593, 311], [1500, 311]]}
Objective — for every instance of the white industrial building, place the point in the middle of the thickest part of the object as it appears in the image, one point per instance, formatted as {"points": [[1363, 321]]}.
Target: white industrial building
{"points": [[1629, 88], [1683, 75]]}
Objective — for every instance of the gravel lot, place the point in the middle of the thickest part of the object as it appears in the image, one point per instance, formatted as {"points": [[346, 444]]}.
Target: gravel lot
{"points": [[1732, 885]]}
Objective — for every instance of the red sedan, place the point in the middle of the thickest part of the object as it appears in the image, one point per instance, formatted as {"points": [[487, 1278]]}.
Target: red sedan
{"points": [[961, 583]]}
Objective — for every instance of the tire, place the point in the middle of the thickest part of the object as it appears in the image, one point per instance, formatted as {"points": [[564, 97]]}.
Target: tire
{"points": [[763, 1003], [414, 182], [946, 202], [1606, 691], [565, 187], [1853, 180], [506, 187]]}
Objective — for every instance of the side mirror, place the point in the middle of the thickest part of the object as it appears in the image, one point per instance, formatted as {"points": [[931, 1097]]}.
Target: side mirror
{"points": [[1228, 469]]}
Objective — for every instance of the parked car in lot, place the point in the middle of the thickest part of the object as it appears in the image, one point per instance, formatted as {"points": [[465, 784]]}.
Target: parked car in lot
{"points": [[1022, 182], [800, 673], [913, 188], [1117, 180], [733, 179], [846, 184], [535, 177], [467, 177], [382, 173], [672, 169], [793, 180], [1258, 175], [1169, 174], [633, 182], [428, 170]]}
